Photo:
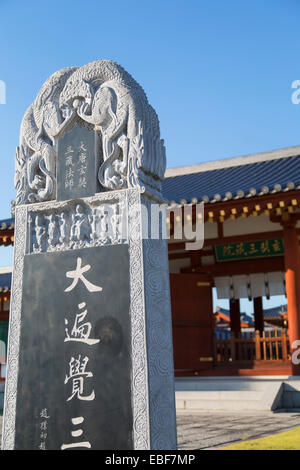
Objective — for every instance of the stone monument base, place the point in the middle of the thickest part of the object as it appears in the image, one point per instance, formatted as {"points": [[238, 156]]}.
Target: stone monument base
{"points": [[122, 392]]}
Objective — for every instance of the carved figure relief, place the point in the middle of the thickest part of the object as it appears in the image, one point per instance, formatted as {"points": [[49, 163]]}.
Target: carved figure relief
{"points": [[80, 229], [62, 228], [52, 229], [40, 233], [103, 96], [76, 226]]}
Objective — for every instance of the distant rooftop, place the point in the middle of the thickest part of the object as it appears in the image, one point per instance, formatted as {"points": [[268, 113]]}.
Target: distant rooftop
{"points": [[275, 312]]}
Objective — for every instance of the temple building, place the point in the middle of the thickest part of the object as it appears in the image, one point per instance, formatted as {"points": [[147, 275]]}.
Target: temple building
{"points": [[251, 251]]}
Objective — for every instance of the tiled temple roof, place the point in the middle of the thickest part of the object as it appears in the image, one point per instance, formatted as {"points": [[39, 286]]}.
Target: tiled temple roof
{"points": [[235, 178], [245, 318], [7, 224], [273, 312], [5, 279]]}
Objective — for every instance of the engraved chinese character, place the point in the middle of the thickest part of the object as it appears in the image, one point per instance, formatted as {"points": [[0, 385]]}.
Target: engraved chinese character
{"points": [[44, 414], [82, 147], [77, 433], [82, 158], [82, 170], [82, 182], [69, 150], [78, 374], [69, 173], [44, 426], [80, 331], [78, 274], [69, 161], [69, 183]]}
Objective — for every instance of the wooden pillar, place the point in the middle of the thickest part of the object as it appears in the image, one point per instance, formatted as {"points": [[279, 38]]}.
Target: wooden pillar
{"points": [[235, 316], [292, 280], [258, 314]]}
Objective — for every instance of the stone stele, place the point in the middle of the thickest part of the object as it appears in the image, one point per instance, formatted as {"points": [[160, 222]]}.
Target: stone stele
{"points": [[90, 362]]}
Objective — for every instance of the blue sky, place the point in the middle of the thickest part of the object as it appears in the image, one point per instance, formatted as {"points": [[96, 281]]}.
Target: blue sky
{"points": [[218, 72]]}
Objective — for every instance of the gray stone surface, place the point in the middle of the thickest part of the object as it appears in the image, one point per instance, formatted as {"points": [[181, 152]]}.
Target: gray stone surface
{"points": [[105, 98], [77, 166], [46, 353], [152, 370], [102, 136], [212, 430]]}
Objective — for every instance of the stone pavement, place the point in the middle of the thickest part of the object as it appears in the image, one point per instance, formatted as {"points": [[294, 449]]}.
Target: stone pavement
{"points": [[210, 430]]}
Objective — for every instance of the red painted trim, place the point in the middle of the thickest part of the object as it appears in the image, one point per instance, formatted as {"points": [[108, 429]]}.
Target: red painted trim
{"points": [[6, 233], [233, 239], [259, 265], [237, 371], [4, 316]]}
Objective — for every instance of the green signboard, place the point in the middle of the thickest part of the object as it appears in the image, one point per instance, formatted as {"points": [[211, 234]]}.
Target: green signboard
{"points": [[248, 250]]}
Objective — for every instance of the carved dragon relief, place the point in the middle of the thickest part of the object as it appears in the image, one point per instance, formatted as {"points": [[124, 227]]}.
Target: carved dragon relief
{"points": [[104, 97]]}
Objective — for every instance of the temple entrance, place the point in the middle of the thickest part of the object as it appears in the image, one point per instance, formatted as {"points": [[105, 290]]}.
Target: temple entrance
{"points": [[193, 322], [208, 342]]}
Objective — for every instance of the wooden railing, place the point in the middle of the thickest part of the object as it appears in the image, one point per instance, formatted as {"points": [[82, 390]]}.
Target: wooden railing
{"points": [[268, 346]]}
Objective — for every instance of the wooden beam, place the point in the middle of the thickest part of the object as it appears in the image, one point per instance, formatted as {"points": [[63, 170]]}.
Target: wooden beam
{"points": [[246, 206], [220, 230], [193, 255], [4, 315], [278, 219], [180, 246], [186, 254], [5, 295], [256, 205], [234, 208], [176, 246], [6, 233], [260, 265]]}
